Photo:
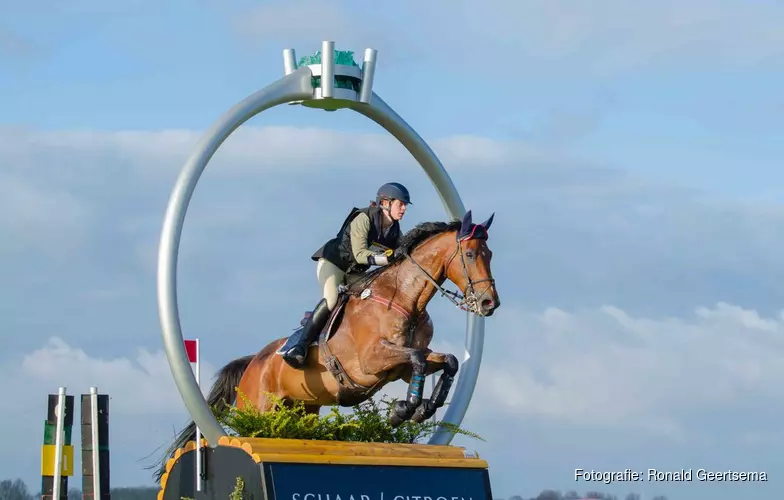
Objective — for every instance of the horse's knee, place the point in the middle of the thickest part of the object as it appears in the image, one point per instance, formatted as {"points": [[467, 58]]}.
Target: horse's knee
{"points": [[418, 361]]}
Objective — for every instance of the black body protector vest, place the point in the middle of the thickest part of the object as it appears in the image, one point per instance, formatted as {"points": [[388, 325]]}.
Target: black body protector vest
{"points": [[338, 249]]}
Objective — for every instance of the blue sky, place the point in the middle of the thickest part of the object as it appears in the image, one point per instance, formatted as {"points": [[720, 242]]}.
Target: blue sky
{"points": [[631, 153]]}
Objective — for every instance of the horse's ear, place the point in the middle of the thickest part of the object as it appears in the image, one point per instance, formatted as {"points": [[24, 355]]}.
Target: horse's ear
{"points": [[486, 224], [465, 227]]}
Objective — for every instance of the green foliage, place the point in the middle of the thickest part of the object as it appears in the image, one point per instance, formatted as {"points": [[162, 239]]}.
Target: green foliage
{"points": [[239, 490], [368, 422]]}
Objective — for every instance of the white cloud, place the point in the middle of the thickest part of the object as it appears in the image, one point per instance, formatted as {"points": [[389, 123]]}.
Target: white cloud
{"points": [[160, 154], [573, 226], [604, 368], [140, 385], [144, 404], [584, 373], [277, 20], [46, 219], [145, 407], [57, 185], [608, 35], [618, 33], [567, 234]]}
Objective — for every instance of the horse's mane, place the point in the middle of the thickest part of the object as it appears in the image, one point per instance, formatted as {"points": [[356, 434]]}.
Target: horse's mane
{"points": [[409, 242]]}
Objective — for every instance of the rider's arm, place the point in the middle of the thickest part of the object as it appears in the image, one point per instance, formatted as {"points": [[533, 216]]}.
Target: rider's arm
{"points": [[359, 230]]}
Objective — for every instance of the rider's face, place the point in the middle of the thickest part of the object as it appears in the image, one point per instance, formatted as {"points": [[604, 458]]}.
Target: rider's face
{"points": [[397, 209]]}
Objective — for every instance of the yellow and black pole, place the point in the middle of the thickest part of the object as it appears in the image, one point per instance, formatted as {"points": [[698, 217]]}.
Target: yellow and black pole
{"points": [[57, 457]]}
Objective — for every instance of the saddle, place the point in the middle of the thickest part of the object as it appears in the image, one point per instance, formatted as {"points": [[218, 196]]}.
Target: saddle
{"points": [[329, 327], [350, 392]]}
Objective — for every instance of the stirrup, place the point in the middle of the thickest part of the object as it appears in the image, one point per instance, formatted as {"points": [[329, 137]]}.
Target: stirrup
{"points": [[294, 359], [296, 351]]}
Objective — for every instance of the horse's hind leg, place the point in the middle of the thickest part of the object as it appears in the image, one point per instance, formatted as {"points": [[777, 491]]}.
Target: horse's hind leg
{"points": [[437, 361], [312, 409]]}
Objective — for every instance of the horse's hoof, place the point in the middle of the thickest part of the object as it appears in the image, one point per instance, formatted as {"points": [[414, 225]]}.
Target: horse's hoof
{"points": [[395, 421], [421, 414], [403, 410]]}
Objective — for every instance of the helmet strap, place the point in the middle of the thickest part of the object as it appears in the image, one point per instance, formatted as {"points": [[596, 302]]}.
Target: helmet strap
{"points": [[386, 209]]}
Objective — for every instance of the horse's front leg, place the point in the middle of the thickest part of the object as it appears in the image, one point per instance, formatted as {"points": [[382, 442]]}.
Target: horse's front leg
{"points": [[417, 359], [436, 361]]}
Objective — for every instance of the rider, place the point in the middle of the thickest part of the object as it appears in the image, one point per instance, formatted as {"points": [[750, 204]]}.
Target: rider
{"points": [[367, 237]]}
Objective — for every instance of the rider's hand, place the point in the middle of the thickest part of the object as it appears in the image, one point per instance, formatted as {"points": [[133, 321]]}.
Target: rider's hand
{"points": [[380, 259]]}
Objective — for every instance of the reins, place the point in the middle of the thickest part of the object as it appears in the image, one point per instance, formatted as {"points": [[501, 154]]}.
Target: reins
{"points": [[466, 303]]}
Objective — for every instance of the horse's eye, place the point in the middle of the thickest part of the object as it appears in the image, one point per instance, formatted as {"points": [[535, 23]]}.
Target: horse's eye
{"points": [[470, 254]]}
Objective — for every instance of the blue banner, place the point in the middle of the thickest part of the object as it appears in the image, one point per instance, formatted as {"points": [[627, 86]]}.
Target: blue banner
{"points": [[290, 481]]}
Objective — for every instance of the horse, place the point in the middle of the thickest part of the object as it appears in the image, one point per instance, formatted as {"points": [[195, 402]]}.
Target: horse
{"points": [[378, 332]]}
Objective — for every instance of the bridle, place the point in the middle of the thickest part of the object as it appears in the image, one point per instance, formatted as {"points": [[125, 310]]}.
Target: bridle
{"points": [[469, 302]]}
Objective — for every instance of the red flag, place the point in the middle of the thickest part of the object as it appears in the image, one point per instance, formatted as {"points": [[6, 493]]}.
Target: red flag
{"points": [[190, 348]]}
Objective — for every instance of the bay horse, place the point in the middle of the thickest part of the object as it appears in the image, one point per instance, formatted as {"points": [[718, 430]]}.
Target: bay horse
{"points": [[379, 332]]}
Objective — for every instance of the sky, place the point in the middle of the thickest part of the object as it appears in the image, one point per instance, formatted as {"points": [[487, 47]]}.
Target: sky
{"points": [[630, 151]]}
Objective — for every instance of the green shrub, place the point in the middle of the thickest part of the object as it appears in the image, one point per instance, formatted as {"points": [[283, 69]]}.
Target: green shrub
{"points": [[368, 422]]}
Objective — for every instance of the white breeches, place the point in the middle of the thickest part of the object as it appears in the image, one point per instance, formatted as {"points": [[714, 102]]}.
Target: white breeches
{"points": [[329, 277]]}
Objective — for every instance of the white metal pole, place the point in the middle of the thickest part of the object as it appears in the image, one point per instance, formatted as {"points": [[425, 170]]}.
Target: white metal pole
{"points": [[198, 433], [58, 443], [434, 418], [96, 456]]}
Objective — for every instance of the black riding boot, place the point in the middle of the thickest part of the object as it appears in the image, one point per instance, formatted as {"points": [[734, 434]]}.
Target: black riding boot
{"points": [[296, 356]]}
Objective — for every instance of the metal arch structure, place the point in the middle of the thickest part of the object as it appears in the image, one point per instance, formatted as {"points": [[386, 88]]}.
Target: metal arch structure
{"points": [[299, 86]]}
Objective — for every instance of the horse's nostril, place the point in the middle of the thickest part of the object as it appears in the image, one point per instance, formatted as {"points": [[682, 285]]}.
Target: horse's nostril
{"points": [[487, 304]]}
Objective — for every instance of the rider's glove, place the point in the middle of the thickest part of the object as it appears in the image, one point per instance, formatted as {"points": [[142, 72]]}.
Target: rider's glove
{"points": [[378, 260]]}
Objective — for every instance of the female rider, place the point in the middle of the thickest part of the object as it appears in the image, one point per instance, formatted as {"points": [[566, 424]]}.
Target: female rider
{"points": [[367, 237]]}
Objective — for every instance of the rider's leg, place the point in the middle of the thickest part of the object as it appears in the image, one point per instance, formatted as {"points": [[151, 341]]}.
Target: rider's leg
{"points": [[329, 276]]}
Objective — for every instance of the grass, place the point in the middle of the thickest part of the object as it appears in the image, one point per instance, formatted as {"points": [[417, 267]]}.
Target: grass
{"points": [[368, 422]]}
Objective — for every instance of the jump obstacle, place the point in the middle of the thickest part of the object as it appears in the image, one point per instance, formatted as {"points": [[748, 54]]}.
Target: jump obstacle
{"points": [[57, 452], [234, 468], [288, 469]]}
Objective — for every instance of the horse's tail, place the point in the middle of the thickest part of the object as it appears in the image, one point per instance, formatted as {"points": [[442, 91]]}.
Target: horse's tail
{"points": [[222, 395]]}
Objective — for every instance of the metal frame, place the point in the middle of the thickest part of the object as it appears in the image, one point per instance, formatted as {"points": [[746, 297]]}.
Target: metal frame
{"points": [[296, 88]]}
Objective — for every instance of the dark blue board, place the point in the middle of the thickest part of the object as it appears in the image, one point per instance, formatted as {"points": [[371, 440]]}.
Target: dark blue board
{"points": [[290, 481]]}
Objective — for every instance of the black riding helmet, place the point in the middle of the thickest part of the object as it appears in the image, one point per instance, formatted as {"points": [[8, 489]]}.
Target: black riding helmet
{"points": [[393, 191]]}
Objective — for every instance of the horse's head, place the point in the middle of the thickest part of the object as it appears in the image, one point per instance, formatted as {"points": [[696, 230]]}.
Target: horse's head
{"points": [[469, 267]]}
